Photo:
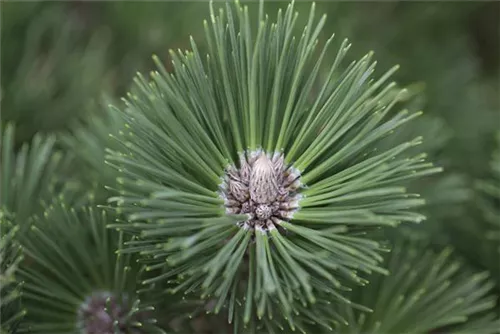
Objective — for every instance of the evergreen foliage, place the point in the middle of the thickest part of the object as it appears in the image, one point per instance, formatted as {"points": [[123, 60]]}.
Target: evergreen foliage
{"points": [[184, 129], [265, 177], [30, 176], [74, 260], [11, 311], [435, 288]]}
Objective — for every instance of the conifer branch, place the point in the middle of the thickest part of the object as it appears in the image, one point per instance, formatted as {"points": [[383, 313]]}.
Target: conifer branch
{"points": [[425, 292], [250, 188], [76, 280], [31, 176], [11, 311]]}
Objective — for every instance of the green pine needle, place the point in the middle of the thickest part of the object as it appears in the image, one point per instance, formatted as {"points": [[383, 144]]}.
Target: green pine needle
{"points": [[257, 89], [74, 264], [85, 142], [32, 176], [426, 292], [10, 288], [28, 175]]}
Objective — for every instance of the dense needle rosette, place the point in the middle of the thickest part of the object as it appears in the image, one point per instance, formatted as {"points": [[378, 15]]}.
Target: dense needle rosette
{"points": [[74, 280], [252, 180]]}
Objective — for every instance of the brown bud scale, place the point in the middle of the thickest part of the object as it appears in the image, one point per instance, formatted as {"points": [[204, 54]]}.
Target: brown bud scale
{"points": [[262, 187]]}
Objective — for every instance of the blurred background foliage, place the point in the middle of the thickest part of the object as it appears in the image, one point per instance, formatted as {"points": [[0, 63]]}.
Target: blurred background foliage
{"points": [[58, 60]]}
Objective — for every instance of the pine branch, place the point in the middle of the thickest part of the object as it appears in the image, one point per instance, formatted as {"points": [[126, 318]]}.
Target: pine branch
{"points": [[85, 142], [32, 176], [20, 186], [426, 292], [446, 194], [75, 280], [11, 311], [449, 189], [249, 187]]}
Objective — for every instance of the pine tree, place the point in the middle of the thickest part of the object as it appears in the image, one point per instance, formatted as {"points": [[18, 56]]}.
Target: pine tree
{"points": [[260, 182]]}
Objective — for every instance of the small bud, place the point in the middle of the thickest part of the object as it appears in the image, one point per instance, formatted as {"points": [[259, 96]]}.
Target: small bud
{"points": [[263, 188], [263, 183]]}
